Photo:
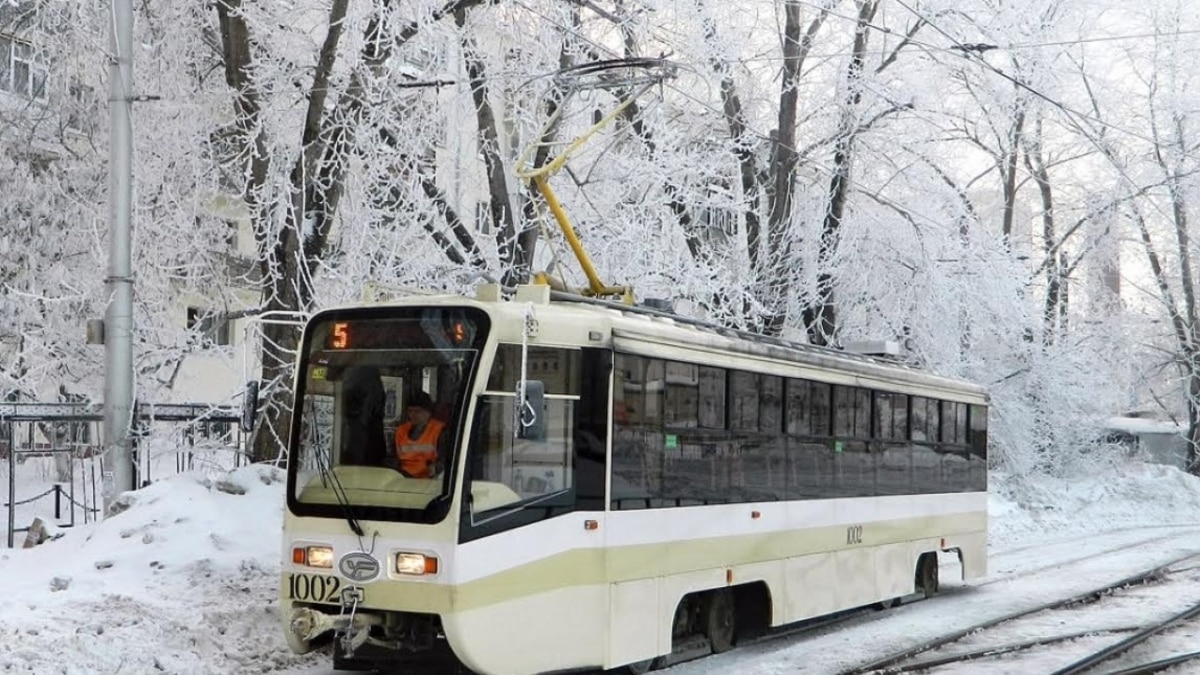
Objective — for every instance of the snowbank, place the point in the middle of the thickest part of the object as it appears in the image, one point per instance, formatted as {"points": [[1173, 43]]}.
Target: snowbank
{"points": [[1128, 495], [182, 581]]}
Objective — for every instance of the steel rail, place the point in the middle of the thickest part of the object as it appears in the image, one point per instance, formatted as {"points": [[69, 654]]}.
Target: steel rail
{"points": [[1095, 659], [1160, 665]]}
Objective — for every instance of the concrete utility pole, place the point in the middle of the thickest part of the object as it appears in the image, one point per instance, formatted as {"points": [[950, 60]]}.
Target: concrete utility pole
{"points": [[118, 319]]}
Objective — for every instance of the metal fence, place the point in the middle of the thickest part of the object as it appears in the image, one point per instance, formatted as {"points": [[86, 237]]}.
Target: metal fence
{"points": [[69, 435]]}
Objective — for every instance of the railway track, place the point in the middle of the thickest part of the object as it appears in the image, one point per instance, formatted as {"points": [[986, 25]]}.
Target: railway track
{"points": [[906, 660]]}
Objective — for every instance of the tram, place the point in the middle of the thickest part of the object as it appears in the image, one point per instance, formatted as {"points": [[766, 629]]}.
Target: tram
{"points": [[613, 486]]}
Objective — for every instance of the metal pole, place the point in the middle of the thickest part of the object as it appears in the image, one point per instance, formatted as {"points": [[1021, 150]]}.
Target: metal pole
{"points": [[12, 484], [118, 321]]}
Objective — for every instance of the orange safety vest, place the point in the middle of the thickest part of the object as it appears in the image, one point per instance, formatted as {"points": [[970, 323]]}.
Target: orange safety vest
{"points": [[417, 455]]}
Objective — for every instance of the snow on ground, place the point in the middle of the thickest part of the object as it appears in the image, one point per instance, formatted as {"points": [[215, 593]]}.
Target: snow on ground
{"points": [[1109, 498], [184, 579]]}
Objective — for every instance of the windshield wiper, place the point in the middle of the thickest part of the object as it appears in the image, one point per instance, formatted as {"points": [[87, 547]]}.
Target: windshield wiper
{"points": [[339, 493]]}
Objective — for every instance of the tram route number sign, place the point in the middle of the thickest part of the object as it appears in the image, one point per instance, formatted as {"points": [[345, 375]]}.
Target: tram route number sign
{"points": [[318, 588]]}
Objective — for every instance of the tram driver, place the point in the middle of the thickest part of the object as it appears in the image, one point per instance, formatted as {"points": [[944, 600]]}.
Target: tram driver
{"points": [[417, 438]]}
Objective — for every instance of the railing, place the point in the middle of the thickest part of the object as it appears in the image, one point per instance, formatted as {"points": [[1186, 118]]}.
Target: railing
{"points": [[70, 434]]}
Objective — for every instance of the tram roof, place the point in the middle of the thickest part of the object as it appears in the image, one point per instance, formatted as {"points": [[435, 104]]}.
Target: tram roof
{"points": [[641, 324], [646, 324]]}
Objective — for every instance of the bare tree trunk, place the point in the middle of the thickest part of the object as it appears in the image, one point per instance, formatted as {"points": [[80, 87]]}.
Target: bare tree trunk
{"points": [[743, 147], [774, 263], [516, 252], [1053, 307], [820, 316], [784, 160], [1009, 172]]}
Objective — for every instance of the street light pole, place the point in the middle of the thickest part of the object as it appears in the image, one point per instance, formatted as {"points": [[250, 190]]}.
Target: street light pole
{"points": [[118, 320]]}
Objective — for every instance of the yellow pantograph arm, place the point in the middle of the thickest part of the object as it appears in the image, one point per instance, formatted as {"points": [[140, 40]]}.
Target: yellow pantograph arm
{"points": [[540, 177]]}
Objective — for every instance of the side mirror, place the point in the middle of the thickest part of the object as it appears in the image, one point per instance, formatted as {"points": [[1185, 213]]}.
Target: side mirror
{"points": [[531, 418], [249, 406]]}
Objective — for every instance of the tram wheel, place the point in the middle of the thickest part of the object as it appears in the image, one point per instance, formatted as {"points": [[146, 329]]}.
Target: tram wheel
{"points": [[719, 620], [927, 574]]}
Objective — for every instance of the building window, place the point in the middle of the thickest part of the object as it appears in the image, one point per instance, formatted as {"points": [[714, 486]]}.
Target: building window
{"points": [[213, 329], [81, 113], [22, 70]]}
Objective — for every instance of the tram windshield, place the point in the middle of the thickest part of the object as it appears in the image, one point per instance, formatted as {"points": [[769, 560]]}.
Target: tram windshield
{"points": [[379, 412]]}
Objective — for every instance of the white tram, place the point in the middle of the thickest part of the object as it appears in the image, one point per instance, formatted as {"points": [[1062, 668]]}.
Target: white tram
{"points": [[614, 487]]}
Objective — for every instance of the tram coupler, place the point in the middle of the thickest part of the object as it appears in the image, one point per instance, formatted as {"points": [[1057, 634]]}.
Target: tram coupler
{"points": [[308, 624]]}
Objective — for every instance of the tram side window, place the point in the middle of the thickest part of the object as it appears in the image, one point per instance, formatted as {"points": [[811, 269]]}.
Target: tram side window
{"points": [[629, 394], [681, 405], [900, 406], [955, 461], [979, 424], [653, 384], [822, 409], [810, 458], [808, 408], [511, 474], [954, 422], [743, 401], [926, 471], [639, 400], [924, 419], [798, 408], [712, 398], [894, 467], [891, 416], [851, 412], [854, 466], [862, 413], [631, 480], [978, 440], [947, 411], [770, 416], [933, 419]]}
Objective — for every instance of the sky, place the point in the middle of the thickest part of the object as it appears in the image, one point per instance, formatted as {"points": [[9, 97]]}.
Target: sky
{"points": [[184, 579]]}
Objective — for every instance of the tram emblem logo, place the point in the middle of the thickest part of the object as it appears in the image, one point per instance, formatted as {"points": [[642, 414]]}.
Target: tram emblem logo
{"points": [[359, 567]]}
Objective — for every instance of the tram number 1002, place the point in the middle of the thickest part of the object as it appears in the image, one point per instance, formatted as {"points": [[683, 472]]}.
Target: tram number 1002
{"points": [[314, 588], [854, 534]]}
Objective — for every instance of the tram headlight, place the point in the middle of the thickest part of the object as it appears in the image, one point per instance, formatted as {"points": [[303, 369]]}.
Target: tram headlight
{"points": [[416, 564], [313, 556]]}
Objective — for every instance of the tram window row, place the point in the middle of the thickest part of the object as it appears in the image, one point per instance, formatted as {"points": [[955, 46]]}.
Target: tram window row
{"points": [[687, 434]]}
